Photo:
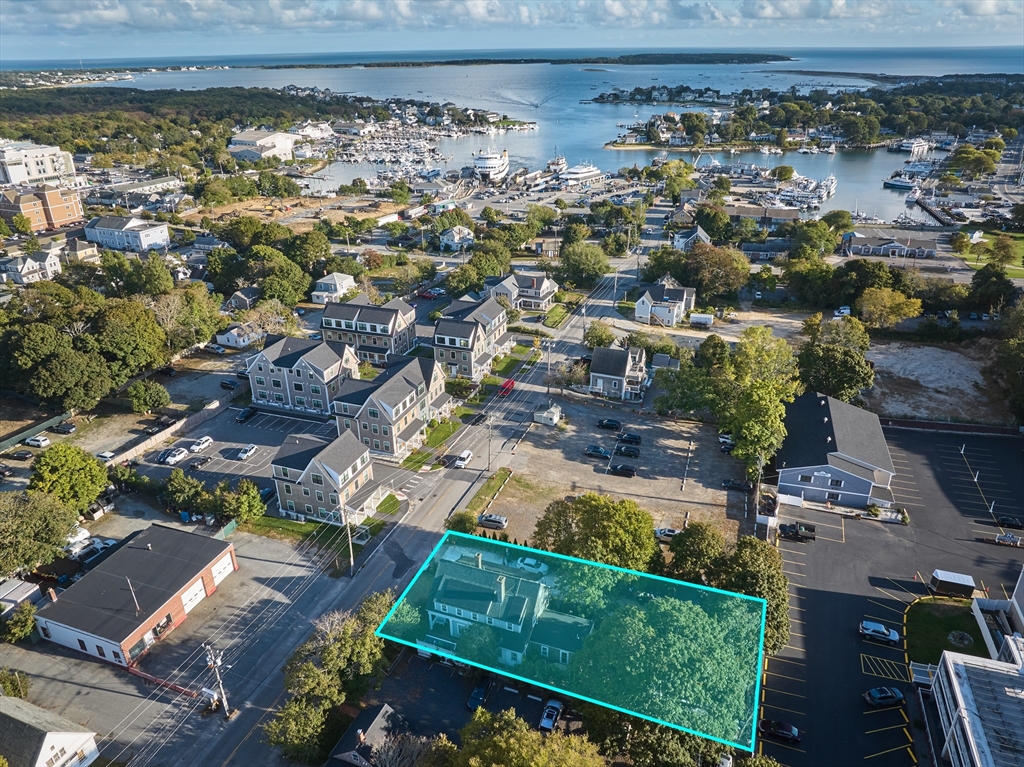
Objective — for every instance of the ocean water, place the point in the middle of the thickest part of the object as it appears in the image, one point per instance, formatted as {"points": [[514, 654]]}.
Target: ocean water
{"points": [[550, 95]]}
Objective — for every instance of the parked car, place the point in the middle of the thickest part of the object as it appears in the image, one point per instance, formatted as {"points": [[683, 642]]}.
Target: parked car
{"points": [[78, 535], [463, 460], [552, 711], [772, 728], [229, 383], [666, 534], [622, 470], [154, 429], [300, 312], [594, 451], [106, 456], [609, 423], [247, 452], [200, 444], [972, 316], [1014, 523], [629, 439], [5, 470], [426, 293], [199, 463], [267, 494], [64, 427], [726, 438], [627, 451], [531, 565], [878, 632], [736, 484], [40, 440], [797, 531], [164, 455], [216, 349], [244, 375], [586, 359], [480, 692], [493, 521], [168, 370], [21, 455], [884, 696], [728, 447], [176, 456], [245, 414]]}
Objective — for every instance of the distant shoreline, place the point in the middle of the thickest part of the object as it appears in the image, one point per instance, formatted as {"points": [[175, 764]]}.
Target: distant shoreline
{"points": [[637, 59]]}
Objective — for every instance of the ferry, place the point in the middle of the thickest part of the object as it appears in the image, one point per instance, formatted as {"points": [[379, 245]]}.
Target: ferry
{"points": [[913, 145], [899, 182], [491, 166], [580, 174], [914, 194], [557, 165]]}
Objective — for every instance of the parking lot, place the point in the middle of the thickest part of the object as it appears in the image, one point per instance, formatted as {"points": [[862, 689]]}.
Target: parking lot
{"points": [[859, 570]]}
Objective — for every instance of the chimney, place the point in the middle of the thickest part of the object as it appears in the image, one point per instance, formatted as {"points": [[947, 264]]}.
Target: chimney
{"points": [[501, 587], [52, 594], [822, 402], [534, 283], [480, 561], [362, 737], [828, 439], [826, 420]]}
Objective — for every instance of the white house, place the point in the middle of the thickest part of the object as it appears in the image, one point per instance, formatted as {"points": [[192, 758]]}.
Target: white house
{"points": [[238, 336], [684, 240], [23, 270], [332, 288], [127, 233], [33, 737], [522, 291], [256, 145], [456, 238], [318, 131], [666, 302]]}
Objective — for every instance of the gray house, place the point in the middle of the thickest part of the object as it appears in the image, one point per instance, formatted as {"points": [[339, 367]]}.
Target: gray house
{"points": [[665, 303], [245, 298], [684, 240], [618, 373], [834, 452]]}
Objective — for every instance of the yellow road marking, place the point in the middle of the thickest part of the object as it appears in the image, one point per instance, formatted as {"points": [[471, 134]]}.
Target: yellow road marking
{"points": [[872, 601], [783, 745], [787, 710], [880, 753], [891, 596], [900, 726], [872, 665], [901, 586], [911, 752], [790, 694]]}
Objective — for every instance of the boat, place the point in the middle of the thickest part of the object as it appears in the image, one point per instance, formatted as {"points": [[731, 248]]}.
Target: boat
{"points": [[580, 174], [913, 145], [491, 166], [914, 194], [557, 165], [831, 149], [899, 182]]}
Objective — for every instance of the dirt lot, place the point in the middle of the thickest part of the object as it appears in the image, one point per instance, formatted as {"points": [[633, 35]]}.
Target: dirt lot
{"points": [[932, 382], [302, 212], [550, 464], [16, 416]]}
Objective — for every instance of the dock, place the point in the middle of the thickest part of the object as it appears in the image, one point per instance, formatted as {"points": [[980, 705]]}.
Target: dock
{"points": [[936, 213]]}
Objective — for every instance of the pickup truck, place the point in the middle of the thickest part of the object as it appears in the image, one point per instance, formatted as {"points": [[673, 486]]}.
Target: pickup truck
{"points": [[797, 531]]}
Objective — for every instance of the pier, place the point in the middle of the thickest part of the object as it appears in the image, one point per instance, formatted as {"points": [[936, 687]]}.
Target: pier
{"points": [[936, 213]]}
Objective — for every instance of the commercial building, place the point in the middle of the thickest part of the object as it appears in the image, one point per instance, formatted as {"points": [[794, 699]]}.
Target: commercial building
{"points": [[301, 374], [764, 218], [34, 737], [378, 333], [46, 206], [127, 233], [23, 162], [256, 145], [141, 592]]}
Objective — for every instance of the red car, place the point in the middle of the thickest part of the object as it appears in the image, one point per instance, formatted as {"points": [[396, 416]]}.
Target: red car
{"points": [[426, 293]]}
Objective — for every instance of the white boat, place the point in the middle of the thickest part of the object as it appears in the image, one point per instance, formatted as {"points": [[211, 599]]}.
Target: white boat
{"points": [[899, 182], [913, 145], [914, 194], [491, 166], [557, 165], [831, 149], [579, 174]]}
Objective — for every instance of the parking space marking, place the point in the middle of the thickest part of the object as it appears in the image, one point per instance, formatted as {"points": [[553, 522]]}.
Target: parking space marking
{"points": [[872, 665], [798, 575], [787, 660], [901, 586], [790, 694], [889, 751], [892, 596], [783, 676], [780, 708], [900, 726], [872, 601], [783, 745]]}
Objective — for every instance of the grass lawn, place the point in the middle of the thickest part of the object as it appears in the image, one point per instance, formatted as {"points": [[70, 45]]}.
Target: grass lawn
{"points": [[389, 505], [627, 309], [461, 412], [281, 529], [571, 297], [505, 366], [489, 488], [557, 314], [416, 460], [422, 351], [367, 372], [929, 623], [440, 434], [1014, 269], [519, 350]]}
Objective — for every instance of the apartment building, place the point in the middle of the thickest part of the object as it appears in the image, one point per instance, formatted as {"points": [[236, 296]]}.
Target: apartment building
{"points": [[377, 332], [46, 206], [389, 413], [300, 374], [526, 292], [326, 480], [619, 373], [127, 233], [24, 162], [470, 336]]}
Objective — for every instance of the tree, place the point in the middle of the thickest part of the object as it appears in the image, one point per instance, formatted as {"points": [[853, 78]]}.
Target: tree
{"points": [[72, 379], [309, 249], [13, 684], [835, 370], [723, 184], [69, 474], [399, 193], [696, 552], [21, 223], [755, 568], [581, 264], [838, 220], [129, 337], [492, 216], [782, 172], [5, 230], [278, 277], [1004, 251], [960, 243], [575, 233], [21, 623], [245, 504], [1017, 214], [463, 279], [600, 529], [504, 739], [297, 728], [716, 270], [714, 221], [478, 642], [147, 395], [884, 307], [151, 277], [598, 334], [34, 527], [511, 313], [565, 375], [185, 492]]}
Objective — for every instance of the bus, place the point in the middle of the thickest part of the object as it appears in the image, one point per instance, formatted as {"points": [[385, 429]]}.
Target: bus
{"points": [[506, 388]]}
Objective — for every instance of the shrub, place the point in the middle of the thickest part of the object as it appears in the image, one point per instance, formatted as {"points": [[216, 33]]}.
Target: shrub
{"points": [[21, 624], [14, 684]]}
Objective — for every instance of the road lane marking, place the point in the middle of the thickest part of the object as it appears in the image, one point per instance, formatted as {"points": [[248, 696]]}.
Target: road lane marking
{"points": [[880, 753], [891, 596]]}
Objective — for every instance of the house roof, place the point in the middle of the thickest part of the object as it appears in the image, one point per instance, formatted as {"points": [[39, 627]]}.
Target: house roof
{"points": [[560, 630], [482, 312], [664, 361], [121, 223], [458, 233], [455, 328], [825, 431], [481, 590], [298, 451], [159, 562], [771, 245], [368, 731], [878, 242], [361, 309], [23, 730], [402, 376], [286, 351], [251, 293], [610, 362], [337, 278], [695, 233]]}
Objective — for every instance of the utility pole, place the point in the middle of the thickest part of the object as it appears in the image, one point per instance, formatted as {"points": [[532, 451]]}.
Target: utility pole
{"points": [[490, 420], [213, 660]]}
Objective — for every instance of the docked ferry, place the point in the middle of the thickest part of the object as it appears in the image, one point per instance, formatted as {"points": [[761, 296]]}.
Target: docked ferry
{"points": [[581, 174], [491, 166], [557, 165]]}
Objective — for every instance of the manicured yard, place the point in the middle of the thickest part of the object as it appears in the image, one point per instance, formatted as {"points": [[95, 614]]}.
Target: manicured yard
{"points": [[626, 308], [422, 350], [519, 350], [570, 297], [389, 505], [505, 366], [367, 372], [281, 529], [930, 622], [557, 314], [483, 495], [417, 460], [1014, 269], [440, 434]]}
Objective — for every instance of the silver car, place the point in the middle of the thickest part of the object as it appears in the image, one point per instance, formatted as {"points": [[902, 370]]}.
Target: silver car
{"points": [[493, 521], [878, 632]]}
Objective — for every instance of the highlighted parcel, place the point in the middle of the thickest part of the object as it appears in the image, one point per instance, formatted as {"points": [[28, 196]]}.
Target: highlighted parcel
{"points": [[681, 655]]}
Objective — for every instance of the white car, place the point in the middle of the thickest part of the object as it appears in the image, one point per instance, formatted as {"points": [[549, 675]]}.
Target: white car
{"points": [[216, 349], [40, 440], [531, 565], [247, 452], [177, 455], [106, 456], [78, 535], [552, 710], [878, 632], [666, 534], [200, 445]]}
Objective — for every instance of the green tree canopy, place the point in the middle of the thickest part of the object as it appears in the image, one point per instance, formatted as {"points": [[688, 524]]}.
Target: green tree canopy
{"points": [[755, 568], [598, 334], [714, 221], [69, 474], [503, 740], [34, 527], [835, 370], [147, 395], [884, 307], [581, 264], [696, 553]]}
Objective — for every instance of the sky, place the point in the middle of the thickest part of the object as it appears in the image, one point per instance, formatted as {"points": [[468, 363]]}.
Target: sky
{"points": [[70, 29]]}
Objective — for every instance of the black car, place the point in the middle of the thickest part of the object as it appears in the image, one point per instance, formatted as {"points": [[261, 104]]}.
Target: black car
{"points": [[243, 375], [629, 439], [66, 427], [735, 484], [609, 423], [480, 692], [1014, 523], [775, 729], [267, 494], [199, 463], [586, 359], [245, 414], [21, 455], [622, 470], [627, 451], [727, 448], [883, 696], [168, 371], [5, 470], [227, 383], [155, 429], [593, 451], [164, 455]]}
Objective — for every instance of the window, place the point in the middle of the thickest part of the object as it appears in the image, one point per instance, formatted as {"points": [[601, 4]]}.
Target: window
{"points": [[333, 498], [563, 656], [99, 651], [806, 478], [328, 323], [297, 386], [313, 389], [300, 401], [305, 492], [316, 479], [261, 381], [349, 325], [261, 395], [320, 496], [615, 384], [375, 428], [832, 496], [260, 367], [117, 656], [81, 644], [465, 368], [387, 446], [344, 407], [543, 651], [374, 413], [284, 472], [376, 444], [384, 430], [366, 441], [465, 356], [347, 423], [362, 326], [287, 489], [318, 404], [835, 483], [444, 608], [311, 374], [458, 611], [464, 343], [514, 656], [291, 505], [309, 509], [276, 383], [366, 426], [278, 397]]}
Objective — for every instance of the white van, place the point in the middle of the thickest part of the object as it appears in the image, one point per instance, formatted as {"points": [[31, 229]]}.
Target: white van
{"points": [[842, 311], [463, 460]]}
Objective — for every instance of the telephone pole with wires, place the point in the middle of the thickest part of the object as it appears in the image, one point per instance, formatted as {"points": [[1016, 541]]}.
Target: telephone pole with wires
{"points": [[213, 661]]}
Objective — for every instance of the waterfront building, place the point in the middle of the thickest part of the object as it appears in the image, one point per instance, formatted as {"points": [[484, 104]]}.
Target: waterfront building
{"points": [[24, 162], [127, 233], [765, 218], [46, 206], [317, 131], [256, 145]]}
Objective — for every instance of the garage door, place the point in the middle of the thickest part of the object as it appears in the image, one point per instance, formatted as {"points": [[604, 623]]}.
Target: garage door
{"points": [[222, 569], [195, 594]]}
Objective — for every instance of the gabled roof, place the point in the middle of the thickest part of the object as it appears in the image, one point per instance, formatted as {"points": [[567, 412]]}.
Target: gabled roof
{"points": [[456, 328], [478, 590], [664, 361], [822, 431], [23, 730], [361, 309], [483, 312], [286, 351], [251, 293], [122, 223], [298, 451], [336, 278], [369, 730], [402, 376], [695, 233], [610, 362]]}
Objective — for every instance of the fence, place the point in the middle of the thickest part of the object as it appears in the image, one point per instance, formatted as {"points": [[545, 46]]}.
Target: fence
{"points": [[211, 410], [33, 430]]}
